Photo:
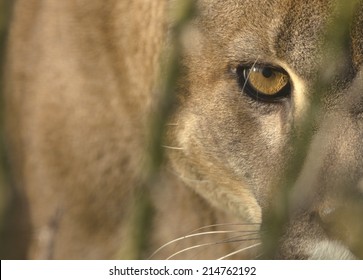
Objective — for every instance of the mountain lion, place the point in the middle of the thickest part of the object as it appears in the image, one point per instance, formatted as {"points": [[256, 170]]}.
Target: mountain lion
{"points": [[256, 105]]}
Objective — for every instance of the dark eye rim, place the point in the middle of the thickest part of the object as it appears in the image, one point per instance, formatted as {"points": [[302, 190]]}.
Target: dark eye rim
{"points": [[252, 92]]}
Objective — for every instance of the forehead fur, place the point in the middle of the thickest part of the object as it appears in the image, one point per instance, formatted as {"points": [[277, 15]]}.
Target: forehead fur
{"points": [[288, 31]]}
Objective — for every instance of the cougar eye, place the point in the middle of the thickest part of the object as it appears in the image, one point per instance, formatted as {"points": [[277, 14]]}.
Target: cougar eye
{"points": [[264, 83]]}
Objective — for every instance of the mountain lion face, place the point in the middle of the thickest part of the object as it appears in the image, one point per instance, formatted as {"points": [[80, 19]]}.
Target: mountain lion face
{"points": [[263, 153]]}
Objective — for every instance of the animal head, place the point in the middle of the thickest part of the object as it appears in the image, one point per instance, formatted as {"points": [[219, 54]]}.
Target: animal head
{"points": [[268, 120]]}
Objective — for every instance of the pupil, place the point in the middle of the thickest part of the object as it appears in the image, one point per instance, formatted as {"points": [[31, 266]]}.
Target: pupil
{"points": [[267, 72]]}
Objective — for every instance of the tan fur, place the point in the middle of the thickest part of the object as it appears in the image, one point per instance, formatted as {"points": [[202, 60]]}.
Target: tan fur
{"points": [[81, 86]]}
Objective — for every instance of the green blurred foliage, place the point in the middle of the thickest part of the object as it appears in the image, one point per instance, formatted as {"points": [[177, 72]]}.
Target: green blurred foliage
{"points": [[4, 191]]}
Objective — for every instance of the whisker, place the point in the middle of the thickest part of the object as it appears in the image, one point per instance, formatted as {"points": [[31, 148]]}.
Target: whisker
{"points": [[203, 245], [226, 224], [248, 76], [241, 238], [186, 178], [172, 148], [239, 251], [191, 248], [224, 241], [194, 235], [258, 256]]}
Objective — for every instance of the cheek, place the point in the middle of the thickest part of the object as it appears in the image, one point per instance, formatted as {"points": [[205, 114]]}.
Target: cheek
{"points": [[255, 152], [264, 152], [247, 141], [271, 132], [249, 145]]}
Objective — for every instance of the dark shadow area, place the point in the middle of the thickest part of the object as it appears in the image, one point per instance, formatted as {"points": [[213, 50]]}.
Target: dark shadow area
{"points": [[14, 215]]}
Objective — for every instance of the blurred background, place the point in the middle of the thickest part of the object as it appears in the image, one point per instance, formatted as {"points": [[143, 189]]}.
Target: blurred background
{"points": [[5, 194]]}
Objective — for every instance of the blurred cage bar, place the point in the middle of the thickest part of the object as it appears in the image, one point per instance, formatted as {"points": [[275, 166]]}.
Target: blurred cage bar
{"points": [[4, 187]]}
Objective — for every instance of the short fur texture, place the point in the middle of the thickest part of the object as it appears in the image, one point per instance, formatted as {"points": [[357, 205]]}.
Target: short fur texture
{"points": [[81, 83]]}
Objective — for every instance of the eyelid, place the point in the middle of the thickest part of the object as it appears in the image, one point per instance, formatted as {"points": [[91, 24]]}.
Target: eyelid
{"points": [[261, 66], [256, 64]]}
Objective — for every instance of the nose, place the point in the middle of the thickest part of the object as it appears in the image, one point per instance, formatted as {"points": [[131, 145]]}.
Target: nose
{"points": [[329, 188], [342, 221]]}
